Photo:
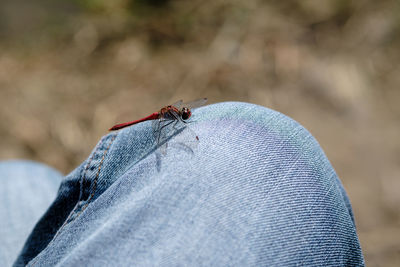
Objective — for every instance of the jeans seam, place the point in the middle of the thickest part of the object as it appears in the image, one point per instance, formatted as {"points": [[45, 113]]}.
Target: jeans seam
{"points": [[67, 221], [93, 191], [83, 177], [70, 216]]}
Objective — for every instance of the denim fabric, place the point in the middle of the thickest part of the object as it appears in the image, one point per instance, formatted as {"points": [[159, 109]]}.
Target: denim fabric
{"points": [[26, 191], [256, 191]]}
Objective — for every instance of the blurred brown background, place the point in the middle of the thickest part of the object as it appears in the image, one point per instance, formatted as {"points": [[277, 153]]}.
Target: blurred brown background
{"points": [[71, 69]]}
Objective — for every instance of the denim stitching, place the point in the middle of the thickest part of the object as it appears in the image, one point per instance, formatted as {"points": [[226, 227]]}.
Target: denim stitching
{"points": [[34, 261], [97, 177], [84, 175], [81, 193]]}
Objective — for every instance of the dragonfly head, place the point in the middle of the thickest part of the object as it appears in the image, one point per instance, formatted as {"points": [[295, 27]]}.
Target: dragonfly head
{"points": [[185, 113]]}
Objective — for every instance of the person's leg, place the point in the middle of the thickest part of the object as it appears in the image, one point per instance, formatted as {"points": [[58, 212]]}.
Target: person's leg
{"points": [[26, 192], [256, 191]]}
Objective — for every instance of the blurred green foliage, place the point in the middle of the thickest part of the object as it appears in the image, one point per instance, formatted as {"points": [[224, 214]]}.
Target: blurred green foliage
{"points": [[136, 7]]}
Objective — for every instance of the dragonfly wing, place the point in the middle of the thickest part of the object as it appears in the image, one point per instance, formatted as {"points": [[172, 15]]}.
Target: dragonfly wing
{"points": [[159, 135], [196, 103], [157, 125], [177, 104], [161, 129]]}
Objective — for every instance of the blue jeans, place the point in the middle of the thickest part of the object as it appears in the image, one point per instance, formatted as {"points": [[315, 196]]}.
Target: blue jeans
{"points": [[256, 191]]}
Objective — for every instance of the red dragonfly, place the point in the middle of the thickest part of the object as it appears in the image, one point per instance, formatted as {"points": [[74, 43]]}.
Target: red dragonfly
{"points": [[177, 113]]}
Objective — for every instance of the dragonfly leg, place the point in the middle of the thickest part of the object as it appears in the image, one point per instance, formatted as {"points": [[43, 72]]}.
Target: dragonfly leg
{"points": [[174, 125], [160, 130]]}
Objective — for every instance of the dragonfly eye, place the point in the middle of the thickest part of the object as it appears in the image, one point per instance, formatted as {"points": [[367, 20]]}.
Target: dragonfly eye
{"points": [[186, 113]]}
